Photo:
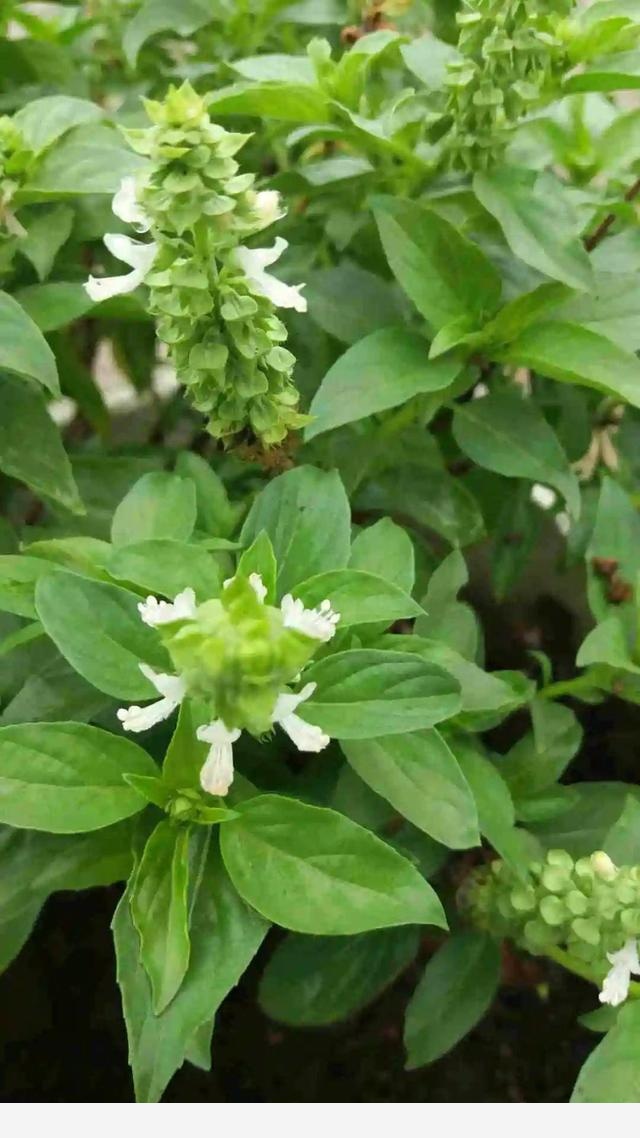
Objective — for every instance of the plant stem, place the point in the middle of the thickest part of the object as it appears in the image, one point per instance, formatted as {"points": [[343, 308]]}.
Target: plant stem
{"points": [[593, 239], [567, 687], [579, 968]]}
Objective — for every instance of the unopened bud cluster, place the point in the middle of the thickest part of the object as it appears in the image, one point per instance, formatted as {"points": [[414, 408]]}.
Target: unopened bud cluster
{"points": [[224, 337], [511, 56], [590, 907], [212, 297]]}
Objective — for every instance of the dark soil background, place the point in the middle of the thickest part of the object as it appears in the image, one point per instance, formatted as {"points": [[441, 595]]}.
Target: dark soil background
{"points": [[62, 1038]]}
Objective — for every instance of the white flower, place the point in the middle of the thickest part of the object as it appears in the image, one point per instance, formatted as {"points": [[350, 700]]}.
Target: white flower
{"points": [[253, 262], [319, 623], [615, 987], [134, 253], [155, 612], [216, 775], [255, 580], [171, 688], [125, 205], [268, 207], [306, 736], [543, 496]]}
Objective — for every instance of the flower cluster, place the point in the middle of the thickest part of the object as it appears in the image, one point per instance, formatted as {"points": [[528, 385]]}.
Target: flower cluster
{"points": [[236, 655], [510, 55], [589, 907], [212, 296]]}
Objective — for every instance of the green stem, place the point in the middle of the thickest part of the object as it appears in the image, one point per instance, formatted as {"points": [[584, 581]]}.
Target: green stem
{"points": [[567, 687]]}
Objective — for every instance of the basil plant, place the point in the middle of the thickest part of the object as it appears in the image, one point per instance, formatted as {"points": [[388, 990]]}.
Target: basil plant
{"points": [[319, 387]]}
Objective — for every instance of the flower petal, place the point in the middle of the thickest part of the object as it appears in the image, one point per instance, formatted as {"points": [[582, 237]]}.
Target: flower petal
{"points": [[306, 736], [319, 623], [125, 205], [138, 254], [216, 774], [154, 612], [136, 718]]}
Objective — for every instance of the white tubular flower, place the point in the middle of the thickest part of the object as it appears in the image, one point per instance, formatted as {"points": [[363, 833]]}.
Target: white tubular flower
{"points": [[615, 987], [253, 263], [125, 205], [268, 207], [255, 580], [306, 736], [155, 612], [543, 496], [216, 775], [319, 623], [171, 688], [134, 253]]}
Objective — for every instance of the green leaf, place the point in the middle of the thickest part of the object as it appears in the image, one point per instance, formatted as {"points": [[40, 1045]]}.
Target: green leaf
{"points": [[276, 67], [186, 754], [574, 354], [456, 989], [350, 303], [496, 812], [607, 644], [366, 693], [445, 275], [162, 566], [430, 497], [311, 870], [306, 514], [428, 59], [584, 827], [162, 16], [47, 232], [289, 102], [159, 909], [53, 692], [159, 505], [619, 72], [359, 597], [30, 446], [386, 550], [312, 981], [97, 628], [260, 558], [509, 435], [54, 304], [18, 576], [35, 864], [15, 931], [480, 691], [622, 843], [216, 515], [225, 935], [67, 777], [23, 348], [612, 1071], [538, 222], [90, 159], [541, 757], [418, 774], [615, 538], [42, 121], [385, 369]]}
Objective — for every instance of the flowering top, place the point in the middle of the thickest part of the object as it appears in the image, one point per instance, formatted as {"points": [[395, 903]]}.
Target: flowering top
{"points": [[211, 294], [237, 655], [589, 907]]}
